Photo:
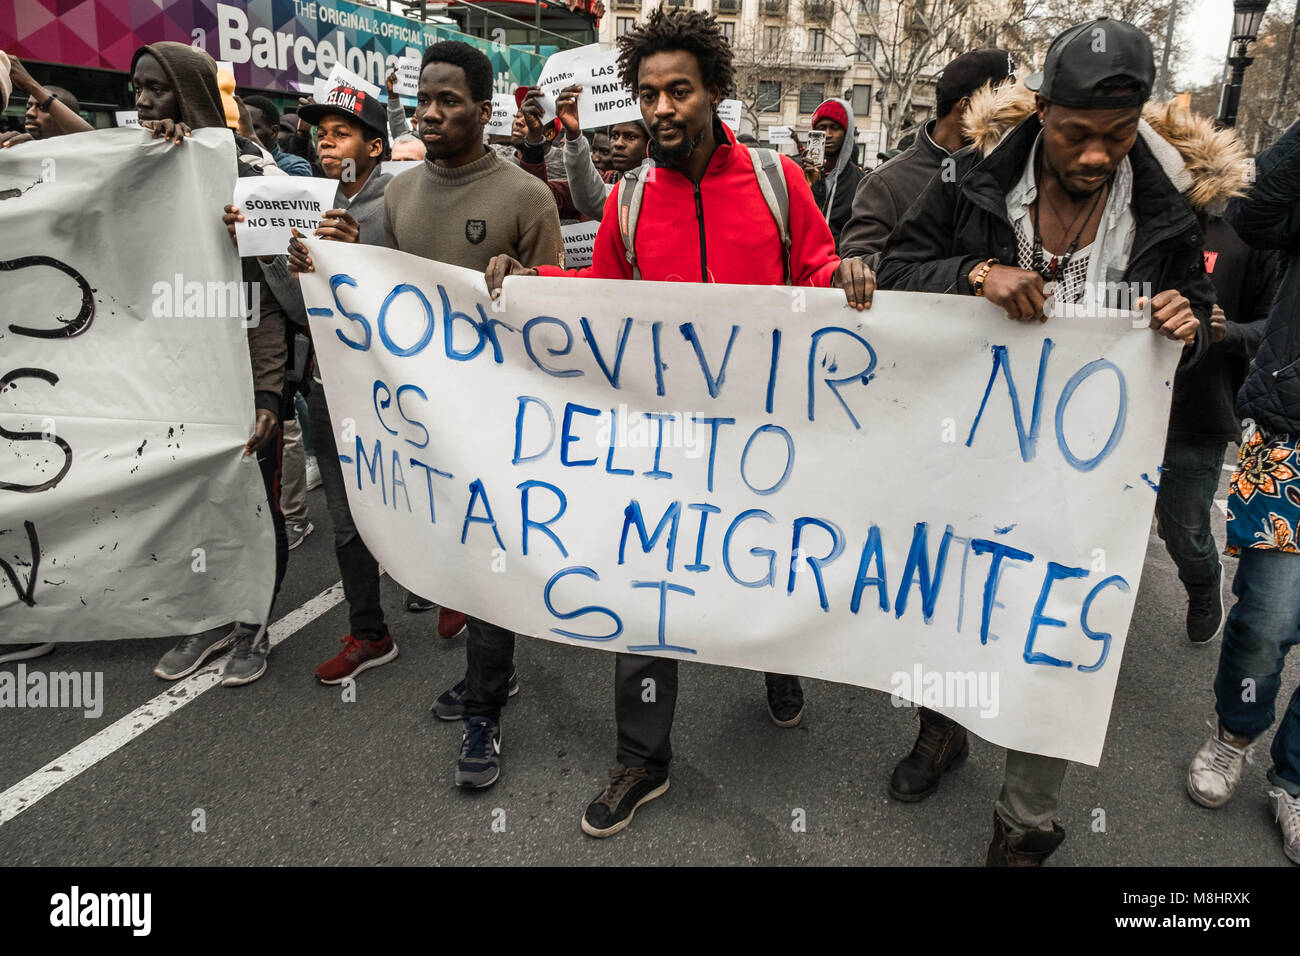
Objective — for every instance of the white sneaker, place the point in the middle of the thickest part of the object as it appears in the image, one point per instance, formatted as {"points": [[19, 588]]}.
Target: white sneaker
{"points": [[1216, 769], [312, 469], [1286, 811]]}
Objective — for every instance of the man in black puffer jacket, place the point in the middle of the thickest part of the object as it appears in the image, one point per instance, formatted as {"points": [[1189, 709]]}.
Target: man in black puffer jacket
{"points": [[1264, 521]]}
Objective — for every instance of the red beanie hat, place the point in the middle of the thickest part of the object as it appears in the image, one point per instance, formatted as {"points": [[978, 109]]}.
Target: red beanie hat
{"points": [[832, 110]]}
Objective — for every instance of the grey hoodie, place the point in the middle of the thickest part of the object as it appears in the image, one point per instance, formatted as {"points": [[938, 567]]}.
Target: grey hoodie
{"points": [[834, 191]]}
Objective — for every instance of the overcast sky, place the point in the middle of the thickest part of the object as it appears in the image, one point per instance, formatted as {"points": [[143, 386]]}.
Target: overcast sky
{"points": [[1206, 26]]}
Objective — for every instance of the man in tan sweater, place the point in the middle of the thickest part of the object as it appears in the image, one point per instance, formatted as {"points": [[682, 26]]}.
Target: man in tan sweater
{"points": [[463, 206]]}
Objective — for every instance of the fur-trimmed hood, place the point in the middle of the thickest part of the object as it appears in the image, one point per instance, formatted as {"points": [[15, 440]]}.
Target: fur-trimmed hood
{"points": [[1205, 164]]}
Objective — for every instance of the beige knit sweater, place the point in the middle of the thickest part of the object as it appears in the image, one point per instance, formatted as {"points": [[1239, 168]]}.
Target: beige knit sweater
{"points": [[467, 215]]}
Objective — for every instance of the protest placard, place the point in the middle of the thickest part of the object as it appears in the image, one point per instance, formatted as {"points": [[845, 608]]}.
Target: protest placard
{"points": [[604, 99], [127, 117], [579, 241], [273, 206], [503, 115], [779, 135], [408, 77], [923, 498], [341, 76], [127, 506], [729, 113]]}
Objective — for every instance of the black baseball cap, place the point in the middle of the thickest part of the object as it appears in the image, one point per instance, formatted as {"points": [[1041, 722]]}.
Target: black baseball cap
{"points": [[358, 104], [1084, 56], [970, 71]]}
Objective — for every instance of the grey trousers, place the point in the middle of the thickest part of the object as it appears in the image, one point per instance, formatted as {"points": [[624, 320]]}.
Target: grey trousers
{"points": [[293, 483], [1031, 791]]}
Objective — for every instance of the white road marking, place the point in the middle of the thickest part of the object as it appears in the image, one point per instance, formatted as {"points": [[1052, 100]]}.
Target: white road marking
{"points": [[29, 791]]}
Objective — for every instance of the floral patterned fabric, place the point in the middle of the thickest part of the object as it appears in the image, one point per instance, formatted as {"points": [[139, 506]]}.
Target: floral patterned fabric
{"points": [[1264, 507]]}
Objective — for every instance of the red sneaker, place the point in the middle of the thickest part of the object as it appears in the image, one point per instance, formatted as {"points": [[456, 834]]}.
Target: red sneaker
{"points": [[356, 656], [450, 623]]}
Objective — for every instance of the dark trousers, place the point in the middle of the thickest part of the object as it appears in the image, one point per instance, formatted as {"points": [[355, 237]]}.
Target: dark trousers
{"points": [[645, 699], [270, 460], [489, 659], [357, 567], [1188, 479]]}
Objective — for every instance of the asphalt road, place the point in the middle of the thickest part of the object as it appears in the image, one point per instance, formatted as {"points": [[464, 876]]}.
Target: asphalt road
{"points": [[286, 772]]}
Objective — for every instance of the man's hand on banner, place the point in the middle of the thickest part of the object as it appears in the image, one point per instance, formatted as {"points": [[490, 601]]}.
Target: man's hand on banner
{"points": [[857, 280], [1218, 323], [168, 129], [1017, 291], [498, 268], [1172, 316], [263, 430], [338, 224], [232, 215], [13, 139]]}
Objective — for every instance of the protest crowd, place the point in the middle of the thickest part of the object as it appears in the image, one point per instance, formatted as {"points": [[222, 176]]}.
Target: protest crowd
{"points": [[1035, 192]]}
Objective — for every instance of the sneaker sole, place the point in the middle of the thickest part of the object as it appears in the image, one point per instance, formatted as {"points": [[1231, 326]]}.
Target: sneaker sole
{"points": [[1203, 801], [373, 662], [467, 785], [27, 655], [299, 541], [241, 681], [957, 761], [591, 831], [461, 714], [792, 722], [452, 637], [216, 648]]}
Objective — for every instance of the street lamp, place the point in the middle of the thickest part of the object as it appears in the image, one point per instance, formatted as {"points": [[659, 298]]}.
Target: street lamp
{"points": [[1246, 17]]}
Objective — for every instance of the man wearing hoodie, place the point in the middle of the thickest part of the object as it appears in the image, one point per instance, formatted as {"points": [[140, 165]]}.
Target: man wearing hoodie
{"points": [[175, 92], [835, 181], [703, 218], [1079, 195], [1264, 522], [885, 193]]}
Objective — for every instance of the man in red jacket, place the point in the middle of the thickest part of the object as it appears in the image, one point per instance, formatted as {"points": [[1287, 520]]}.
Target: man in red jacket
{"points": [[679, 66]]}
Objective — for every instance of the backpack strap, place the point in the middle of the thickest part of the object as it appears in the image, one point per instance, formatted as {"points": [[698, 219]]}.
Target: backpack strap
{"points": [[771, 182], [631, 190]]}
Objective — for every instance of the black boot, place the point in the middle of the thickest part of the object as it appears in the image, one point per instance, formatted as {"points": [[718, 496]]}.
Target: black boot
{"points": [[1031, 849], [941, 745]]}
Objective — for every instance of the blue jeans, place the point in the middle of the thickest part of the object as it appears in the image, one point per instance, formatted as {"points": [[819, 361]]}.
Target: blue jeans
{"points": [[1188, 479], [1262, 626]]}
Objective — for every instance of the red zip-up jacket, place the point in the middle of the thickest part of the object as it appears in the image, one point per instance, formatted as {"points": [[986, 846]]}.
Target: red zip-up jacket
{"points": [[720, 230]]}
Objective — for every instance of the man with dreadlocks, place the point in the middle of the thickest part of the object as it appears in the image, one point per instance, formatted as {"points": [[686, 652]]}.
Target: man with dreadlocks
{"points": [[716, 210]]}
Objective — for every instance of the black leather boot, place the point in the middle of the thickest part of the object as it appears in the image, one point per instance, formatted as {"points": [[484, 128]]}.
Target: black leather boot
{"points": [[940, 746], [1031, 849]]}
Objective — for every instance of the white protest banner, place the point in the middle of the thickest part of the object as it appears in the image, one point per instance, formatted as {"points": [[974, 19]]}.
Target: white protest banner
{"points": [[779, 135], [408, 77], [604, 99], [729, 113], [579, 241], [923, 498], [127, 506], [503, 115], [273, 206], [127, 117]]}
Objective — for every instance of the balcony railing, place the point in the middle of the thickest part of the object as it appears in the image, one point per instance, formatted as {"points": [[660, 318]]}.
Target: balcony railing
{"points": [[818, 9], [821, 60], [729, 7], [774, 8]]}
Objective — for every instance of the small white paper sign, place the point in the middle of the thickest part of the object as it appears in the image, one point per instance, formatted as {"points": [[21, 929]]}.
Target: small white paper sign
{"points": [[579, 243], [729, 113], [127, 117], [503, 115], [275, 205], [779, 135], [604, 99], [341, 76], [408, 77], [227, 66]]}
